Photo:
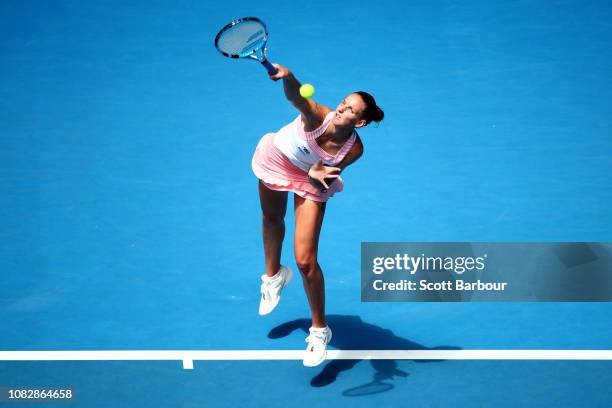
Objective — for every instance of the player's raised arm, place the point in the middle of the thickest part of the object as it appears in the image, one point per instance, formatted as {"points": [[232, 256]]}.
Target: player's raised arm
{"points": [[310, 110]]}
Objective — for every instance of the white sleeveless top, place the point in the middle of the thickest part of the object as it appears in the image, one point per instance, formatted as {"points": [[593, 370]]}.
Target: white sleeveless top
{"points": [[301, 147]]}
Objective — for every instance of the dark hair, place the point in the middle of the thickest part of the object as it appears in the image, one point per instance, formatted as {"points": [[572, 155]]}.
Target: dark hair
{"points": [[372, 111]]}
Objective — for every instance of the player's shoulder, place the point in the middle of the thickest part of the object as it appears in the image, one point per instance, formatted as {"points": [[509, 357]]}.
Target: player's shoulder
{"points": [[321, 112], [314, 117], [324, 110]]}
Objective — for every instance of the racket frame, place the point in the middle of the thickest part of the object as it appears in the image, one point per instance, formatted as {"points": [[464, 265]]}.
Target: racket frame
{"points": [[258, 54]]}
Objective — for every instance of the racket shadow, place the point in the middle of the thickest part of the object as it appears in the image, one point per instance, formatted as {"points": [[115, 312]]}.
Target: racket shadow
{"points": [[352, 333]]}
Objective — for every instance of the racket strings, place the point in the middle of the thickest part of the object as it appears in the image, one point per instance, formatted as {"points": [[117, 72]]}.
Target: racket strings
{"points": [[243, 38]]}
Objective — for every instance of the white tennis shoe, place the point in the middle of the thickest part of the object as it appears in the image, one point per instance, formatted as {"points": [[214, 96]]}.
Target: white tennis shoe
{"points": [[271, 289], [317, 346]]}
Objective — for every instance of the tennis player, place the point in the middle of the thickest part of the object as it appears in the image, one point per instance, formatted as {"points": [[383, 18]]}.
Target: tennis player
{"points": [[306, 157]]}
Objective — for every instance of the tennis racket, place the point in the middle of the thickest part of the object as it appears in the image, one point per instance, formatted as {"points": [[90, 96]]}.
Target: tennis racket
{"points": [[245, 38]]}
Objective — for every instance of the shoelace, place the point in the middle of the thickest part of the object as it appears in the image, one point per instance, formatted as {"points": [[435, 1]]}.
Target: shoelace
{"points": [[264, 291], [317, 337]]}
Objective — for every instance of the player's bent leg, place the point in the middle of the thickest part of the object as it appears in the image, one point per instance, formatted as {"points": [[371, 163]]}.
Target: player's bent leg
{"points": [[274, 207]]}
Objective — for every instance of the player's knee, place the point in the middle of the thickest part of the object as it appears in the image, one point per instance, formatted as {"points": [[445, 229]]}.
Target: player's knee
{"points": [[273, 219], [306, 262]]}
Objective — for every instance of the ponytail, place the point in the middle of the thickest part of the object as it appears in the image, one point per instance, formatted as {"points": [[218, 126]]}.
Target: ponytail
{"points": [[372, 113]]}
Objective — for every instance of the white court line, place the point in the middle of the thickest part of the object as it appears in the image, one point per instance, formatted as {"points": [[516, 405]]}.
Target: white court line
{"points": [[188, 356]]}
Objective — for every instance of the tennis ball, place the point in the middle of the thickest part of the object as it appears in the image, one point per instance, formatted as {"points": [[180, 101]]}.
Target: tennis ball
{"points": [[306, 91]]}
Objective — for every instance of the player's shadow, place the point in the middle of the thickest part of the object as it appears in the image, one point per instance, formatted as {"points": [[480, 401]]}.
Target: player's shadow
{"points": [[352, 333]]}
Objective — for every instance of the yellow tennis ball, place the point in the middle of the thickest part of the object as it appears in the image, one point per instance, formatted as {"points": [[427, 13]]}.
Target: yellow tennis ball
{"points": [[306, 91]]}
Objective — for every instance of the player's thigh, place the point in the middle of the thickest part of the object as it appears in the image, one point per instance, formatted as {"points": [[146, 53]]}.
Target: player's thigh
{"points": [[273, 203], [308, 222]]}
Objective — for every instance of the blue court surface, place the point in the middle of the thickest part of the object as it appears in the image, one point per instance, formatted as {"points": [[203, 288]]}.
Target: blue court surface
{"points": [[130, 217]]}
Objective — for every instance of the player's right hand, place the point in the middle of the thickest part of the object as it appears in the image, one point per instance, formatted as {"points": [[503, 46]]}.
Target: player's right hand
{"points": [[282, 72]]}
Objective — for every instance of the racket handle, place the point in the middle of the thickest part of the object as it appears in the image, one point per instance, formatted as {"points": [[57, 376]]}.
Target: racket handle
{"points": [[269, 67]]}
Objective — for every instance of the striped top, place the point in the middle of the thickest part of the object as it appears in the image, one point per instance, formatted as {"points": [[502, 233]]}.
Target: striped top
{"points": [[301, 147]]}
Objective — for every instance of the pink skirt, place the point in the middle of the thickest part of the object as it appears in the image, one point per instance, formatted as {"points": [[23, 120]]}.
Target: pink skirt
{"points": [[277, 172]]}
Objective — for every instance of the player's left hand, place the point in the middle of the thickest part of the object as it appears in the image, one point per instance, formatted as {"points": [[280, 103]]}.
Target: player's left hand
{"points": [[322, 174]]}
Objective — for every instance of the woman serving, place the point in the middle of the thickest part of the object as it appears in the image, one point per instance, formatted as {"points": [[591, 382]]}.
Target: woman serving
{"points": [[306, 157]]}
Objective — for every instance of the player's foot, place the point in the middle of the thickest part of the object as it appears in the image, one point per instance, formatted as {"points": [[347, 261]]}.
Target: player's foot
{"points": [[317, 345], [271, 288]]}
